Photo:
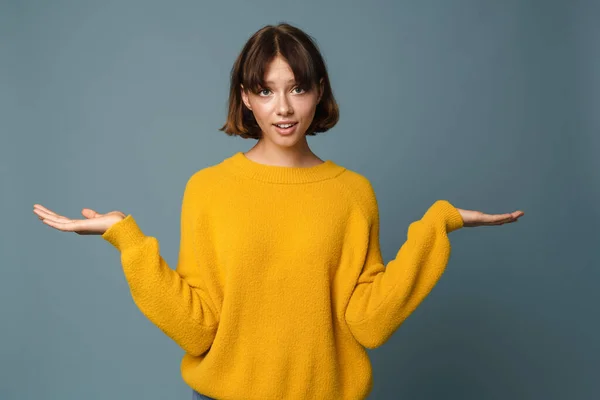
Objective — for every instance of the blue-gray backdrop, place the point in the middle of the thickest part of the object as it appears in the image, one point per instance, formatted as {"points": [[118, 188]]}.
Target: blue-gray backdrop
{"points": [[490, 105]]}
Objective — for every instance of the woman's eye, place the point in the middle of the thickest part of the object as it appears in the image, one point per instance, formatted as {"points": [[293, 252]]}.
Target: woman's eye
{"points": [[265, 92]]}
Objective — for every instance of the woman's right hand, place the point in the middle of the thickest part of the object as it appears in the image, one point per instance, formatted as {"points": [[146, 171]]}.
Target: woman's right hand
{"points": [[95, 224]]}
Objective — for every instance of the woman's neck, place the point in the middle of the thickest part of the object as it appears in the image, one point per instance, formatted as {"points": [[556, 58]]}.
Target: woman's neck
{"points": [[283, 157]]}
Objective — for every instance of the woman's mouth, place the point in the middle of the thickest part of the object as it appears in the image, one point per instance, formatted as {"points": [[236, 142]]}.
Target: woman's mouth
{"points": [[286, 129]]}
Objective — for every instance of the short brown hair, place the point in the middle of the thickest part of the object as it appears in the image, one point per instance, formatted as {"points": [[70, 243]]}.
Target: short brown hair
{"points": [[302, 54]]}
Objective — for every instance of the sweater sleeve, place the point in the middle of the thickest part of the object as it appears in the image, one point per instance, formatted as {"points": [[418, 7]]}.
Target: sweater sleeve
{"points": [[183, 312], [384, 296]]}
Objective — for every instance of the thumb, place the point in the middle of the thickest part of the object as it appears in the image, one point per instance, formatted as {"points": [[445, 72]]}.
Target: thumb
{"points": [[89, 213]]}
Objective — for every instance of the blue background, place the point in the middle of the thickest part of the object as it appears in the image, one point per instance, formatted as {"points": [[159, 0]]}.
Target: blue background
{"points": [[493, 106]]}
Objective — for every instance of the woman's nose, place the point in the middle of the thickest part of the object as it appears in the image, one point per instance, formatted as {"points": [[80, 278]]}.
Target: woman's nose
{"points": [[284, 106]]}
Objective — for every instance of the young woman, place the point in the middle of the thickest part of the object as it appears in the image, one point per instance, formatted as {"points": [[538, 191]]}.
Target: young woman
{"points": [[280, 284]]}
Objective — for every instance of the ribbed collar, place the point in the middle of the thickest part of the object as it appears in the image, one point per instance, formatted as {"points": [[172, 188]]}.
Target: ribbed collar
{"points": [[242, 165]]}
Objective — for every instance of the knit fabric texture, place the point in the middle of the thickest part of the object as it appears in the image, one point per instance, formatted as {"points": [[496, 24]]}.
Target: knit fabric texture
{"points": [[280, 286]]}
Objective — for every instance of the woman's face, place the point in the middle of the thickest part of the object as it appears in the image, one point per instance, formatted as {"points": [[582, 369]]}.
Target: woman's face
{"points": [[282, 101]]}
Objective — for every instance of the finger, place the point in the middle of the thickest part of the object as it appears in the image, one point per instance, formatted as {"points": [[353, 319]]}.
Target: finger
{"points": [[62, 226], [88, 213], [518, 214], [497, 219], [49, 214], [513, 218], [41, 214], [40, 207], [53, 217]]}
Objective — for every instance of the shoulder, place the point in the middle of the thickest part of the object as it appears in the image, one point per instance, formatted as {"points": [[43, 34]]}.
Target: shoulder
{"points": [[361, 189], [207, 176], [200, 182]]}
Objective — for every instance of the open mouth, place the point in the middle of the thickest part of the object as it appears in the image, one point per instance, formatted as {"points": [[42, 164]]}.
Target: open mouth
{"points": [[285, 128]]}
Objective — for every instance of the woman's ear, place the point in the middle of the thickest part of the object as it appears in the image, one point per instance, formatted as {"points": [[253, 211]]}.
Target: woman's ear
{"points": [[245, 97]]}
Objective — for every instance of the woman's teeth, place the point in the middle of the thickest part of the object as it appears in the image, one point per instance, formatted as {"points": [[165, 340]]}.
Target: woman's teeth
{"points": [[285, 126]]}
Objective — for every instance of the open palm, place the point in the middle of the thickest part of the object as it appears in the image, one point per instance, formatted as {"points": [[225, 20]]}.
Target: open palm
{"points": [[477, 218], [95, 224]]}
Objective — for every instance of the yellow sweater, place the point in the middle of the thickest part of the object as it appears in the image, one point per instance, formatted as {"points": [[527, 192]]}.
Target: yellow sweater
{"points": [[280, 284]]}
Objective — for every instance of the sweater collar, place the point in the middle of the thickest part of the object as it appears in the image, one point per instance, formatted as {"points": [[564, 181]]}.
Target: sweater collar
{"points": [[242, 165]]}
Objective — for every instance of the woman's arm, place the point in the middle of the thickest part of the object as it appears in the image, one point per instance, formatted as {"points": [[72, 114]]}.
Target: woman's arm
{"points": [[184, 312], [384, 296]]}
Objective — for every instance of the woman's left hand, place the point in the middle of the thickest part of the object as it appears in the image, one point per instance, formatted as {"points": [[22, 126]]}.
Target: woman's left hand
{"points": [[478, 218]]}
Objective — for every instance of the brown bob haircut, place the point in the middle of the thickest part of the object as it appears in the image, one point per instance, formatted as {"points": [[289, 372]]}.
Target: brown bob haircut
{"points": [[303, 56]]}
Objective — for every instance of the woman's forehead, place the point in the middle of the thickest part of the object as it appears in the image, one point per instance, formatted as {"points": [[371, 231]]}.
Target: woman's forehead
{"points": [[278, 71]]}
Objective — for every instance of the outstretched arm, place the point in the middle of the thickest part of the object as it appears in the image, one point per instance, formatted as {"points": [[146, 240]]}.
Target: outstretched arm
{"points": [[384, 296], [182, 311]]}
